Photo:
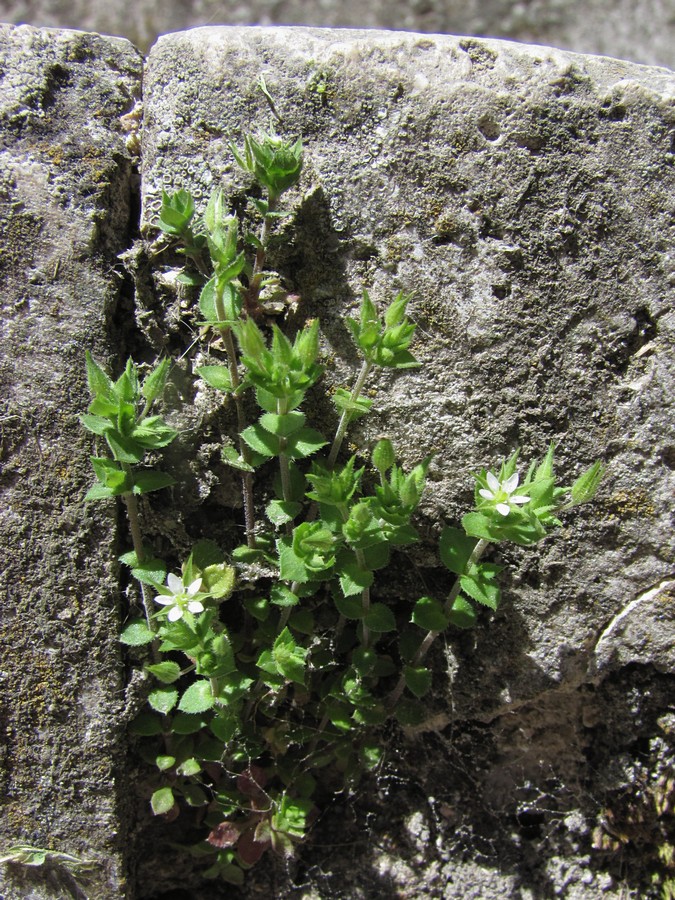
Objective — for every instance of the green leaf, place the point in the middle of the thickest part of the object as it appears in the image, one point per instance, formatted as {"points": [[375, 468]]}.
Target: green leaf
{"points": [[417, 680], [291, 567], [100, 492], [124, 449], [477, 525], [218, 580], [146, 725], [305, 442], [302, 620], [197, 698], [586, 486], [258, 607], [165, 762], [380, 618], [155, 382], [184, 723], [429, 615], [150, 571], [340, 715], [163, 699], [178, 636], [455, 549], [99, 383], [217, 377], [371, 754], [224, 727], [111, 474], [144, 482], [136, 633], [194, 795], [279, 512], [462, 614], [167, 671], [356, 407], [189, 767], [282, 425], [289, 657], [351, 607], [354, 579], [230, 456], [261, 441], [364, 660], [280, 595], [191, 279], [97, 424], [480, 584], [153, 433], [162, 801]]}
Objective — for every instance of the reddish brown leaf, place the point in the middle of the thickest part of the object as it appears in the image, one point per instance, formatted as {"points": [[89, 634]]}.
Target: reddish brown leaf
{"points": [[250, 850], [224, 835]]}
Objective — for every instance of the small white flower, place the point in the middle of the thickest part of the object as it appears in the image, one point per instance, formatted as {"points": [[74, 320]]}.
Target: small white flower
{"points": [[501, 492], [181, 597]]}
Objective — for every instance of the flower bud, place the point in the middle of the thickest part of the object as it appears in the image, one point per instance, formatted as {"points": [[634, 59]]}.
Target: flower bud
{"points": [[384, 456]]}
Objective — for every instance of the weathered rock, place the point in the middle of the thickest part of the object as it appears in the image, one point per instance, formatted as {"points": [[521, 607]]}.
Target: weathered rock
{"points": [[640, 30], [525, 196], [65, 213]]}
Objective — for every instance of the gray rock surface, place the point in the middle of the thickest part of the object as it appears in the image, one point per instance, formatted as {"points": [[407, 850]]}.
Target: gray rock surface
{"points": [[525, 195], [639, 30], [65, 206]]}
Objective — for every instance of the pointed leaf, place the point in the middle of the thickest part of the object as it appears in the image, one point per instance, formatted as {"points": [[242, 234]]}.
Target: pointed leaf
{"points": [[217, 376], [380, 618], [136, 633], [144, 482], [462, 614], [197, 698], [167, 671], [162, 801], [455, 549], [417, 680], [428, 614]]}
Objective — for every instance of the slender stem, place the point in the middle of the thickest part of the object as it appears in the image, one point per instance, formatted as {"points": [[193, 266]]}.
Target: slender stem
{"points": [[365, 596], [476, 554], [137, 539], [255, 284], [345, 419], [284, 462], [246, 477], [431, 636], [287, 610]]}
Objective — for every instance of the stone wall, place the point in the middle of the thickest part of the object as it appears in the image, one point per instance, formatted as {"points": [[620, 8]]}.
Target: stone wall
{"points": [[639, 30], [525, 196]]}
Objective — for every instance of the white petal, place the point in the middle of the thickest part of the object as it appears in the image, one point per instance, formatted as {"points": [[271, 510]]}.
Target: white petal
{"points": [[195, 606], [175, 613], [519, 498], [175, 583], [164, 601], [194, 587], [487, 494], [503, 508], [511, 483], [493, 482]]}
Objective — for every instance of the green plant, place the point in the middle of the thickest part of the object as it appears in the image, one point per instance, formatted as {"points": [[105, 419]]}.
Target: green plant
{"points": [[273, 660]]}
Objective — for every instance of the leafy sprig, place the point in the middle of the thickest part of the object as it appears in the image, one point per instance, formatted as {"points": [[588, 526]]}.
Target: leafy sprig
{"points": [[279, 657]]}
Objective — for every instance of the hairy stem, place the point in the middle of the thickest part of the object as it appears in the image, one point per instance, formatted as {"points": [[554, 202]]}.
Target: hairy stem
{"points": [[246, 477], [345, 419], [137, 539], [255, 284]]}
